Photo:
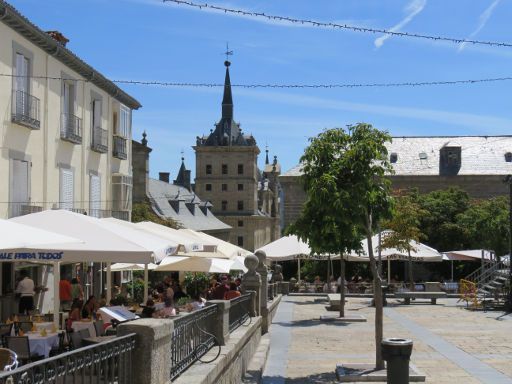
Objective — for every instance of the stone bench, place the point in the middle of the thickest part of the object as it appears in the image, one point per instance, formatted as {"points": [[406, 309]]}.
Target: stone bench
{"points": [[407, 296]]}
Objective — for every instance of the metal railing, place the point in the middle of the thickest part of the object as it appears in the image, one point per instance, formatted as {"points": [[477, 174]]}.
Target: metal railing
{"points": [[20, 209], [192, 337], [107, 362], [485, 274], [71, 128], [25, 109], [239, 311], [99, 140], [100, 213], [120, 148], [121, 215]]}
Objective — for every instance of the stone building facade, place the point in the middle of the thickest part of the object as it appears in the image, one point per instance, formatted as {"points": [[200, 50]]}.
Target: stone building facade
{"points": [[476, 164], [227, 175]]}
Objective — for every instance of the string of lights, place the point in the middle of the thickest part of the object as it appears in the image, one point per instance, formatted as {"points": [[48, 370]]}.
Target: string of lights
{"points": [[353, 28], [409, 84]]}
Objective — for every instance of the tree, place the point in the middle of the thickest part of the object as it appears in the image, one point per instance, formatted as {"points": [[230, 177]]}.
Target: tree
{"points": [[347, 193], [405, 228], [143, 212]]}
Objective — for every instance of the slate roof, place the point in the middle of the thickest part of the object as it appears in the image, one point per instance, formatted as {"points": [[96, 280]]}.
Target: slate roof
{"points": [[480, 155], [192, 212]]}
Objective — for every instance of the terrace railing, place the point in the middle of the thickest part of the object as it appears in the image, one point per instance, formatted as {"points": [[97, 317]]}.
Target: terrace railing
{"points": [[192, 337], [239, 311], [71, 128], [108, 362], [25, 109], [99, 140], [119, 149]]}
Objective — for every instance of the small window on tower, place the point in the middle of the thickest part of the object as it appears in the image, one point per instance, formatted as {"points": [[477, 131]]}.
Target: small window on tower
{"points": [[240, 205], [240, 169], [240, 187], [240, 223], [224, 187], [208, 187], [208, 169], [224, 169], [224, 205]]}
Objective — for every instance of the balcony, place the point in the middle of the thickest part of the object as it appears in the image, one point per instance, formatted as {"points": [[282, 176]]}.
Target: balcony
{"points": [[120, 148], [100, 213], [71, 128], [25, 110], [99, 140], [121, 215], [21, 209]]}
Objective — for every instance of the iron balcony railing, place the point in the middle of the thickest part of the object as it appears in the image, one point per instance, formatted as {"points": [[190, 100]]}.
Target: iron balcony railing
{"points": [[120, 148], [121, 215], [25, 109], [108, 362], [20, 209], [71, 128], [99, 140], [100, 213], [192, 338], [239, 311]]}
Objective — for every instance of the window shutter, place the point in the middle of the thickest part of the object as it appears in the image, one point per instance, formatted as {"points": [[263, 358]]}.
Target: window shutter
{"points": [[94, 195], [66, 188], [96, 114], [20, 186], [21, 73]]}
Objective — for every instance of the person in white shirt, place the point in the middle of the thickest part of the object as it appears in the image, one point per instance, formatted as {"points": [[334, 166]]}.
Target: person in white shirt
{"points": [[25, 289]]}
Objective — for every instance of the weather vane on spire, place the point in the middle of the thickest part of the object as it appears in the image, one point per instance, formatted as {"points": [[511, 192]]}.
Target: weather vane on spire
{"points": [[228, 53], [182, 155]]}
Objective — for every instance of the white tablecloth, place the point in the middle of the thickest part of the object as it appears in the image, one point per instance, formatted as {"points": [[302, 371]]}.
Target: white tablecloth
{"points": [[41, 345], [78, 325]]}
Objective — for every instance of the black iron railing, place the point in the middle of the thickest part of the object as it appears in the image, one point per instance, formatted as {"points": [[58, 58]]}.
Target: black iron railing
{"points": [[71, 128], [121, 215], [120, 148], [100, 213], [20, 209], [107, 362], [239, 311], [25, 109], [99, 140], [193, 337]]}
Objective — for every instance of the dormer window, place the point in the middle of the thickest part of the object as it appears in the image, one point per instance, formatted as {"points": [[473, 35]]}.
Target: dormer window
{"points": [[508, 157], [449, 161], [393, 158], [423, 156], [175, 204]]}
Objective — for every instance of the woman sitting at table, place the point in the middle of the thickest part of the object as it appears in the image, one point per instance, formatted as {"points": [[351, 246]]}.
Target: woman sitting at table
{"points": [[89, 309], [166, 311], [148, 310], [197, 303]]}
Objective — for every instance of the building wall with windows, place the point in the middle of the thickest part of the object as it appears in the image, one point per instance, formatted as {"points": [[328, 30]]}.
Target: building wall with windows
{"points": [[64, 142]]}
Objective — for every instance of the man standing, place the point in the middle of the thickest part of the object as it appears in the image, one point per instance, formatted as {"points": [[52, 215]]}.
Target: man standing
{"points": [[65, 294], [25, 289]]}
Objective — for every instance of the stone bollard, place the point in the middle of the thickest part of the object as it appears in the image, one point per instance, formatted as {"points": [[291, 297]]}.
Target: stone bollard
{"points": [[262, 270], [151, 361], [252, 281], [397, 353], [221, 327]]}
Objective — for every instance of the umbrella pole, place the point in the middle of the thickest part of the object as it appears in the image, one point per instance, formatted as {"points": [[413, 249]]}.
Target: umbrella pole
{"points": [[389, 271], [452, 270], [146, 284], [109, 284], [56, 298], [298, 269]]}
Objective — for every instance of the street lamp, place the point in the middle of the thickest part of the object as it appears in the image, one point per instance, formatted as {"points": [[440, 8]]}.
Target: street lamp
{"points": [[508, 180]]}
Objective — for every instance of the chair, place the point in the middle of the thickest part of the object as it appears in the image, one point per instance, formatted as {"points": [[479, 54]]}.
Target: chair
{"points": [[98, 325], [21, 346], [5, 330], [62, 347], [25, 326], [8, 360], [76, 340]]}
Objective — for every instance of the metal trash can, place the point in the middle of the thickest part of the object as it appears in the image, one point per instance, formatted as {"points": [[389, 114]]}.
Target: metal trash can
{"points": [[397, 353]]}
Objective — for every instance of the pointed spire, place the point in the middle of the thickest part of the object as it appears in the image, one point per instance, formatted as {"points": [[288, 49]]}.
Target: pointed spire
{"points": [[266, 155], [227, 100]]}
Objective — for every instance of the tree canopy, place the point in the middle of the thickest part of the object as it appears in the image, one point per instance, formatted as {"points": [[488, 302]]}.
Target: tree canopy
{"points": [[143, 212]]}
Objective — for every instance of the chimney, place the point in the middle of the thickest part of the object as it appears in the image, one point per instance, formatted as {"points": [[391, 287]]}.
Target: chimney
{"points": [[164, 176], [58, 37]]}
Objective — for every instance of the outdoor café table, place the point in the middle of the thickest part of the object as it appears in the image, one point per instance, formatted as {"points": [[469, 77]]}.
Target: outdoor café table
{"points": [[44, 325], [78, 325], [41, 345]]}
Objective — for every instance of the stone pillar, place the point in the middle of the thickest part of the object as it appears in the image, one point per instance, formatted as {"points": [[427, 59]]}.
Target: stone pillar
{"points": [[151, 359], [251, 281], [285, 287], [221, 328], [262, 270]]}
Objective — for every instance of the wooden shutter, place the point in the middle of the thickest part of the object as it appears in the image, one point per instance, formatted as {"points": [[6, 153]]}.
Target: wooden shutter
{"points": [[66, 188], [94, 195]]}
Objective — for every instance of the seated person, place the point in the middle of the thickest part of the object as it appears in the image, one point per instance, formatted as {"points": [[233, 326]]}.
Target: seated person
{"points": [[166, 311], [197, 303], [233, 292], [178, 293], [89, 309], [148, 310], [74, 313]]}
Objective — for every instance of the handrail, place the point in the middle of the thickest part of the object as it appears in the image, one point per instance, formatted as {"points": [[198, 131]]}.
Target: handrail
{"points": [[485, 273]]}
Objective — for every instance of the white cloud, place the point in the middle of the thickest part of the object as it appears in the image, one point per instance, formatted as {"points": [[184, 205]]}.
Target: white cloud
{"points": [[412, 9], [482, 21]]}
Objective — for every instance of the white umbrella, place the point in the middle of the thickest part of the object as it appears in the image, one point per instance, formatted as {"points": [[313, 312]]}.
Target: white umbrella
{"points": [[223, 247], [469, 255], [286, 248], [195, 264], [119, 267], [191, 244]]}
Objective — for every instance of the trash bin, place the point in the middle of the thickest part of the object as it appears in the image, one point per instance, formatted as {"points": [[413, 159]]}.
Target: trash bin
{"points": [[397, 353]]}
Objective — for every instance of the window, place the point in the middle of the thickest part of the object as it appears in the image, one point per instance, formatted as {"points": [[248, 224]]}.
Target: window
{"points": [[68, 97], [240, 169], [508, 157], [96, 113], [94, 195], [125, 121], [208, 169], [240, 187], [20, 186], [66, 188], [208, 187], [224, 169], [450, 161], [393, 158], [240, 223], [224, 205], [240, 241], [224, 187], [240, 205]]}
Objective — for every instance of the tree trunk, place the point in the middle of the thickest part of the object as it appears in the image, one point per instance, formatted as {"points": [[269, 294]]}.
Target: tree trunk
{"points": [[377, 298], [411, 279], [342, 286]]}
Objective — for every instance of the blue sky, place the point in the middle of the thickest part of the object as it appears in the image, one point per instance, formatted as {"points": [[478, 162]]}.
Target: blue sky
{"points": [[152, 40]]}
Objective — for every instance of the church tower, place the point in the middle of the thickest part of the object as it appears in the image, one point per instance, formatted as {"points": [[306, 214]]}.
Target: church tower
{"points": [[227, 175]]}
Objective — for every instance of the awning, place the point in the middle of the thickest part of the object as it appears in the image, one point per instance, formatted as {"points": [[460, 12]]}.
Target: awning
{"points": [[189, 243], [469, 255]]}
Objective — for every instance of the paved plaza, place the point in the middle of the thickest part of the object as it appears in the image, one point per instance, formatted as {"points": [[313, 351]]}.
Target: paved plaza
{"points": [[451, 344]]}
